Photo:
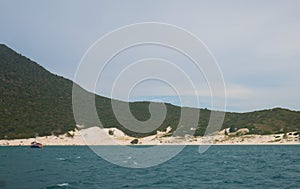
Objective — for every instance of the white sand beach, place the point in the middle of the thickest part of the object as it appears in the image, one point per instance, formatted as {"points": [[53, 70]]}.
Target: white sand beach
{"points": [[113, 136]]}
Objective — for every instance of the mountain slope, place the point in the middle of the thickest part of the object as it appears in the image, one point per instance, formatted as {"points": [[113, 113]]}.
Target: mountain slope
{"points": [[32, 99], [35, 101]]}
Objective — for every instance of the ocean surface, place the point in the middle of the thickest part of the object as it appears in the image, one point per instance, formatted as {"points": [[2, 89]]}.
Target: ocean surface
{"points": [[219, 167]]}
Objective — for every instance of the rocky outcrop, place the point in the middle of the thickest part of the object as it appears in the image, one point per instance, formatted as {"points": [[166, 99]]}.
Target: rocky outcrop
{"points": [[134, 141]]}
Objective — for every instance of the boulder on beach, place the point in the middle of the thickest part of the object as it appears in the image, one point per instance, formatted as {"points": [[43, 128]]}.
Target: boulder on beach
{"points": [[111, 132], [134, 141], [242, 131], [160, 134]]}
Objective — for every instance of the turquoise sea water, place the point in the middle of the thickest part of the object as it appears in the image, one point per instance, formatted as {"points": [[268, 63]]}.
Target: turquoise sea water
{"points": [[219, 167]]}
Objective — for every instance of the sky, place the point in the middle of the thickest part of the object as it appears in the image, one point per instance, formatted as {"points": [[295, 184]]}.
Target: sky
{"points": [[255, 43]]}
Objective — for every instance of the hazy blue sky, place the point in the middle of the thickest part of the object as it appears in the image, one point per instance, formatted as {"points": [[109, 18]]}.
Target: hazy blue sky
{"points": [[256, 43]]}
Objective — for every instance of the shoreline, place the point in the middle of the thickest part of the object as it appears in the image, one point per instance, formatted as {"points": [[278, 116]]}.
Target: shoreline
{"points": [[107, 145], [95, 136]]}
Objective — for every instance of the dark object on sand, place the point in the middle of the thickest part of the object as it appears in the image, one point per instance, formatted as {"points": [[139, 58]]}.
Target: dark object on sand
{"points": [[36, 145], [134, 141]]}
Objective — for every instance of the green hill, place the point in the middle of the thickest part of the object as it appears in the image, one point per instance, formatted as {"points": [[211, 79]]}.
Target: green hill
{"points": [[33, 100]]}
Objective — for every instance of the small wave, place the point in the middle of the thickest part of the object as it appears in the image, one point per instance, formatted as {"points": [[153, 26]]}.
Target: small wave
{"points": [[67, 159], [63, 184], [61, 159], [60, 185]]}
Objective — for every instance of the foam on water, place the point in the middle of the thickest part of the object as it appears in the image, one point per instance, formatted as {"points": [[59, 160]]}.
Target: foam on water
{"points": [[63, 184]]}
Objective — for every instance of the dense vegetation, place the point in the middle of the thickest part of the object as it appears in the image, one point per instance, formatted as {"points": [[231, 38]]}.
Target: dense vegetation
{"points": [[35, 101]]}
